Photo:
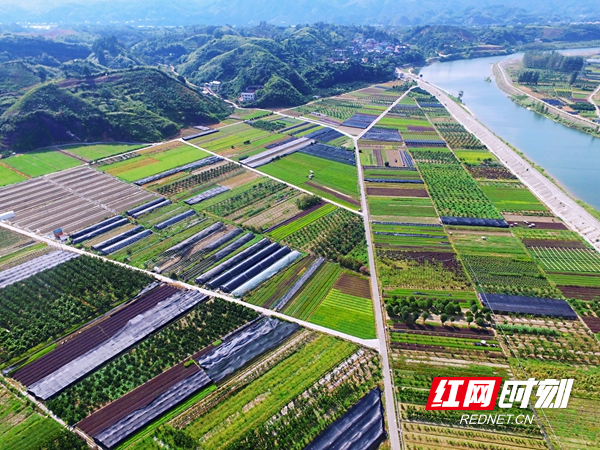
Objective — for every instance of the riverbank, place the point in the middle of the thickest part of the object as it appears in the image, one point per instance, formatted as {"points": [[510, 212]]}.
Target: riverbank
{"points": [[561, 204], [504, 82]]}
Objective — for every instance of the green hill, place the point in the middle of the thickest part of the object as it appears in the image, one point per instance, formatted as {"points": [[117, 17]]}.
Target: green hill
{"points": [[142, 105]]}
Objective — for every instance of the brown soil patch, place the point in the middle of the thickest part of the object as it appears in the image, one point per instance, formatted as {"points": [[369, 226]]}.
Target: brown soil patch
{"points": [[418, 128], [394, 158], [240, 179], [580, 292], [353, 285], [549, 243], [395, 192], [336, 194], [593, 323], [378, 156], [161, 147]]}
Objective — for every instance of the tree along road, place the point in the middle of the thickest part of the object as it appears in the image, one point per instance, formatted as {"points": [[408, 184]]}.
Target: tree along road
{"points": [[388, 382], [560, 203]]}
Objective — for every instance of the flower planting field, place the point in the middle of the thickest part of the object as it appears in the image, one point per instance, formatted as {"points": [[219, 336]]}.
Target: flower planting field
{"points": [[332, 180], [35, 164], [152, 161]]}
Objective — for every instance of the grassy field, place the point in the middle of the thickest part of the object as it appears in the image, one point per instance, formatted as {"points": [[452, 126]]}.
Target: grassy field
{"points": [[576, 426], [389, 208], [513, 199], [296, 167], [314, 291], [473, 156], [39, 163], [264, 397], [98, 151], [153, 163], [493, 245], [8, 176], [346, 313], [575, 280]]}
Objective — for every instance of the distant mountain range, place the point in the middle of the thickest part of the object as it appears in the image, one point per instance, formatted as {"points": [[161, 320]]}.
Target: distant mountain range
{"points": [[286, 12]]}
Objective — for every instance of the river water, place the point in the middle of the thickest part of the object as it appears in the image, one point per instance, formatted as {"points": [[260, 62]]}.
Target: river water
{"points": [[570, 156]]}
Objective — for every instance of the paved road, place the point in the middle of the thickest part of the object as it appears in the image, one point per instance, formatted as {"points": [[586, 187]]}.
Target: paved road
{"points": [[388, 379], [574, 215], [371, 343]]}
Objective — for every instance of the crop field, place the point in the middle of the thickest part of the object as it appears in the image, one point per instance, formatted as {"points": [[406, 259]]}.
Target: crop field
{"points": [[94, 287], [154, 161], [205, 324], [486, 244], [573, 279], [502, 275], [224, 424], [392, 208], [410, 237], [420, 270], [292, 227], [24, 428], [474, 157], [567, 259], [39, 163], [332, 180], [303, 304], [337, 234], [491, 173], [458, 137], [346, 313], [8, 176], [513, 199], [99, 151]]}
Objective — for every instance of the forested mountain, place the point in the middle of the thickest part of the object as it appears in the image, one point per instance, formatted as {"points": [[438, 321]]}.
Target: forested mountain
{"points": [[243, 12]]}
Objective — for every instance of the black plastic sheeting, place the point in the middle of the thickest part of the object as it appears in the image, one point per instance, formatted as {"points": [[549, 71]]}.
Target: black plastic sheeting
{"points": [[361, 428], [359, 121], [383, 134], [324, 135], [218, 270], [217, 256], [424, 143], [310, 127], [175, 219], [256, 268], [331, 153], [243, 265], [151, 208], [119, 237], [277, 144], [144, 206], [474, 222], [549, 307], [136, 420], [245, 346], [99, 231], [91, 228]]}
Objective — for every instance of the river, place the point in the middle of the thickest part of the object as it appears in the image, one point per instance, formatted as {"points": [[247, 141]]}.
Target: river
{"points": [[569, 156]]}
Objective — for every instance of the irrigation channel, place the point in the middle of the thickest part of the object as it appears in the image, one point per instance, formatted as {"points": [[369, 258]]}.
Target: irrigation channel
{"points": [[570, 156]]}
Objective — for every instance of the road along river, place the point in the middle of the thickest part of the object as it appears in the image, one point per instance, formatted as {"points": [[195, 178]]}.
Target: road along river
{"points": [[569, 156]]}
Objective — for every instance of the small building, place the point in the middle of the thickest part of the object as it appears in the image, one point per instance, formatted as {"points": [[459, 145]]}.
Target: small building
{"points": [[214, 86], [247, 96]]}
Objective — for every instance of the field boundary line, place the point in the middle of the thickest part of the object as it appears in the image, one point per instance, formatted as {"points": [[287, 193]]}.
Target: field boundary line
{"points": [[371, 343], [273, 178]]}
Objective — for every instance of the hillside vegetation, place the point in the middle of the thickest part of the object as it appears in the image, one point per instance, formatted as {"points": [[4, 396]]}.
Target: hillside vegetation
{"points": [[137, 105]]}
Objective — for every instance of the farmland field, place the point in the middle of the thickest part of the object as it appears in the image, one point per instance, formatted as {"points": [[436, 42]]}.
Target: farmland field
{"points": [[390, 208], [513, 198], [23, 428], [8, 176], [98, 151], [486, 244], [567, 259], [151, 163], [295, 169], [346, 313], [39, 163], [285, 230]]}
